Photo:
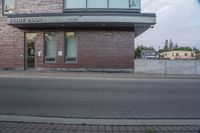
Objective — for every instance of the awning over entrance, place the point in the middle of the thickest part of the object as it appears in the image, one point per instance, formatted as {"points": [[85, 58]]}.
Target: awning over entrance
{"points": [[138, 21]]}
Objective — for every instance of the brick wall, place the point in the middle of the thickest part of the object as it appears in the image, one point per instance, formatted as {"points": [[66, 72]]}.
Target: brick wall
{"points": [[97, 48], [106, 49], [39, 6], [12, 39], [11, 45]]}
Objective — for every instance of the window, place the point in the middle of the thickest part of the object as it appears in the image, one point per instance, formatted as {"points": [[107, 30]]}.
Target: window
{"points": [[186, 54], [70, 47], [8, 6], [97, 4], [75, 3], [177, 54], [135, 4], [50, 47], [118, 3]]}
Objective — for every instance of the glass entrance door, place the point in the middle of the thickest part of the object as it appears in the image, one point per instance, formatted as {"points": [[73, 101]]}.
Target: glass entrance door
{"points": [[30, 50]]}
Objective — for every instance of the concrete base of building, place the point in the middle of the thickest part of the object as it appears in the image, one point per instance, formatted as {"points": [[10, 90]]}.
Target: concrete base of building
{"points": [[108, 70], [11, 68]]}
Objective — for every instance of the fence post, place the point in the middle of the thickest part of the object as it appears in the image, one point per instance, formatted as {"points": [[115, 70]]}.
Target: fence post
{"points": [[165, 67], [195, 67]]}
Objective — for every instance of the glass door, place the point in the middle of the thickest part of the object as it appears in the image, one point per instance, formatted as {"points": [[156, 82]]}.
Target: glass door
{"points": [[30, 50]]}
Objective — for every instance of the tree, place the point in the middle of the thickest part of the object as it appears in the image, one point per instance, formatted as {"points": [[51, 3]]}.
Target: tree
{"points": [[139, 49], [176, 46], [171, 45], [183, 49], [166, 47], [196, 50]]}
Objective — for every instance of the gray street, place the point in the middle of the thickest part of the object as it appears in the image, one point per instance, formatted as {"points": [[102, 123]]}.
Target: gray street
{"points": [[100, 98]]}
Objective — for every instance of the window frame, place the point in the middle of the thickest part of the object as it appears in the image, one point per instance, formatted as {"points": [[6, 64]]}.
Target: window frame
{"points": [[2, 7], [44, 49], [65, 48]]}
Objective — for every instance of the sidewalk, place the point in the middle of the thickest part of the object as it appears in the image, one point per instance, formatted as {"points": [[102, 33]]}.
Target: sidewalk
{"points": [[61, 74], [21, 127]]}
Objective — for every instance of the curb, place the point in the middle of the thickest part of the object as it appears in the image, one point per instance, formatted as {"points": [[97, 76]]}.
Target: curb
{"points": [[127, 122], [95, 76]]}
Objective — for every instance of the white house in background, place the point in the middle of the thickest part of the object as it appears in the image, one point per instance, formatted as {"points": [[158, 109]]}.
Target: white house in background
{"points": [[178, 55]]}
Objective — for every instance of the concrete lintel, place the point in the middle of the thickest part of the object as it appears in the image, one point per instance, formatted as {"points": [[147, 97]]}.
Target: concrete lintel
{"points": [[81, 19]]}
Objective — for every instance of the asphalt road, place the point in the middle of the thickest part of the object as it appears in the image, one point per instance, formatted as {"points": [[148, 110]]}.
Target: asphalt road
{"points": [[100, 98]]}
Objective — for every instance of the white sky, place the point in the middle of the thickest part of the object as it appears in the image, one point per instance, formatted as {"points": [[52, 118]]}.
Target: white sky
{"points": [[176, 19]]}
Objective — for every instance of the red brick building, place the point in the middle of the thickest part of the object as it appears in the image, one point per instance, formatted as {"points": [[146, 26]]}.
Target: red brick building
{"points": [[71, 35]]}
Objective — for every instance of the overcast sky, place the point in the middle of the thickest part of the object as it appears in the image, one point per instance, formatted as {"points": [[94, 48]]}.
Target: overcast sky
{"points": [[176, 19]]}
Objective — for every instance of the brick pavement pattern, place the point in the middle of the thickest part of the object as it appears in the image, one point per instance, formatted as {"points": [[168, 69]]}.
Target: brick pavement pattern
{"points": [[21, 127]]}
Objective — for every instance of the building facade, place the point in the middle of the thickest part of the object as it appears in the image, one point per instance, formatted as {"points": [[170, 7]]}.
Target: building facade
{"points": [[149, 54], [179, 55], [72, 35]]}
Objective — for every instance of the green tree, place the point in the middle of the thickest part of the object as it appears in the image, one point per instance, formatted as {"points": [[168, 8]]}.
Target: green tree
{"points": [[139, 49], [197, 51], [166, 47], [183, 49], [176, 46], [171, 45]]}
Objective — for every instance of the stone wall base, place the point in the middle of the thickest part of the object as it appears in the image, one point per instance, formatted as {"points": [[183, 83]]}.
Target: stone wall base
{"points": [[109, 70]]}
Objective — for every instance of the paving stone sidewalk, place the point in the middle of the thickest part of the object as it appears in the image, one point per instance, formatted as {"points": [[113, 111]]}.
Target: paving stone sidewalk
{"points": [[21, 127]]}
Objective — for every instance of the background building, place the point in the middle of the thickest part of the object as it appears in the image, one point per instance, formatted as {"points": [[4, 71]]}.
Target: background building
{"points": [[149, 54], [184, 55], [77, 35]]}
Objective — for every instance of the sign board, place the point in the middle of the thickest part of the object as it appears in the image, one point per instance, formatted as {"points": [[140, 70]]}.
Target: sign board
{"points": [[60, 53], [26, 20]]}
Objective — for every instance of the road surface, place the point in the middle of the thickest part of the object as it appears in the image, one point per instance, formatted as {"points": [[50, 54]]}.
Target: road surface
{"points": [[101, 98]]}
